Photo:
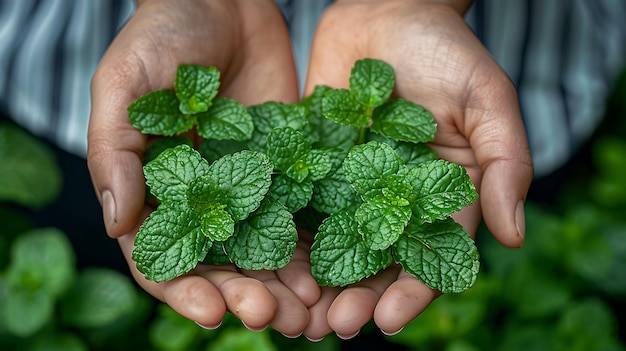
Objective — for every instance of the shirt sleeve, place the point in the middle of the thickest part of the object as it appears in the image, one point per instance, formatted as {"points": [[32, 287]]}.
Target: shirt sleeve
{"points": [[49, 51], [564, 57]]}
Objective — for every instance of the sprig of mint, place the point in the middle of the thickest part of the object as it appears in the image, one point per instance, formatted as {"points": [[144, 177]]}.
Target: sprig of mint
{"points": [[354, 162], [192, 103]]}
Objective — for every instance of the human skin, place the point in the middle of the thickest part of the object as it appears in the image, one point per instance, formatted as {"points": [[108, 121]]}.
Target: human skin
{"points": [[247, 40], [441, 65]]}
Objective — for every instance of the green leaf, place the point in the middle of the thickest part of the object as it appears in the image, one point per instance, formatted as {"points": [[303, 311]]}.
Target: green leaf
{"points": [[313, 103], [381, 223], [372, 81], [217, 224], [97, 298], [157, 113], [169, 331], [226, 119], [340, 256], [244, 178], [285, 146], [367, 165], [164, 144], [290, 193], [212, 149], [341, 107], [217, 254], [441, 255], [196, 86], [170, 174], [319, 164], [270, 115], [403, 120], [241, 339], [44, 259], [29, 174], [441, 188], [58, 342], [27, 311], [204, 196], [170, 243], [266, 240], [334, 192]]}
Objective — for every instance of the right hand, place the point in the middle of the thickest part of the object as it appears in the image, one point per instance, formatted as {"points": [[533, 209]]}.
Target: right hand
{"points": [[248, 42]]}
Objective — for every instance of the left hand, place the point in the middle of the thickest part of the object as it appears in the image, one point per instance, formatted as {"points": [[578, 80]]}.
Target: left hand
{"points": [[441, 65]]}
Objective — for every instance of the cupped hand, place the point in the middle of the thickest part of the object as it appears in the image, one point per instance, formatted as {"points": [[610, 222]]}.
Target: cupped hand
{"points": [[440, 65], [248, 42]]}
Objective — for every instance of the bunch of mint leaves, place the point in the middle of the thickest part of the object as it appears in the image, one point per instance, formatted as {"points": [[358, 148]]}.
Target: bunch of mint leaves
{"points": [[355, 160]]}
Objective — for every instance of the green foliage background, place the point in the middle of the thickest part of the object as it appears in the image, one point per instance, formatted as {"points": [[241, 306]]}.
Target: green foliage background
{"points": [[561, 291]]}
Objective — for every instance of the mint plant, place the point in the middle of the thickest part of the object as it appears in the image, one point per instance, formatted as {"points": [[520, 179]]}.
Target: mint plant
{"points": [[355, 159]]}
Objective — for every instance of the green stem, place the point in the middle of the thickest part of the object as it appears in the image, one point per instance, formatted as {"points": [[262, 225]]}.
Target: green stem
{"points": [[362, 135]]}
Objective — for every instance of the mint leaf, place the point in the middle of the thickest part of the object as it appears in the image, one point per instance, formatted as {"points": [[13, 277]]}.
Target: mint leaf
{"points": [[97, 298], [372, 81], [196, 86], [340, 256], [333, 192], [270, 115], [318, 163], [341, 107], [42, 258], [26, 311], [244, 178], [217, 224], [442, 255], [367, 166], [157, 113], [440, 189], [402, 120], [169, 175], [163, 144], [313, 103], [292, 194], [266, 240], [169, 244], [212, 149], [225, 119], [29, 174], [381, 223], [217, 254], [411, 154], [285, 146]]}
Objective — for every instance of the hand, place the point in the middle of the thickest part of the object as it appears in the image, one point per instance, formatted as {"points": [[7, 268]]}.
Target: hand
{"points": [[442, 66], [248, 42]]}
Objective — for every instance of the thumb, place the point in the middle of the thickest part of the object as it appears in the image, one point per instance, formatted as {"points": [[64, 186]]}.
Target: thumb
{"points": [[498, 138], [115, 150]]}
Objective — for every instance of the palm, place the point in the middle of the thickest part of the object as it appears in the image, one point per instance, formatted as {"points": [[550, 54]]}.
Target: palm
{"points": [[442, 66], [248, 42]]}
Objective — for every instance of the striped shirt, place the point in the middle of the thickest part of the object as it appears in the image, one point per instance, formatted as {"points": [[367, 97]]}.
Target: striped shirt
{"points": [[562, 55]]}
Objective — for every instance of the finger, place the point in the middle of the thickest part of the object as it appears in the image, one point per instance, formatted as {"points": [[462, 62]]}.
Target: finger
{"points": [[402, 302], [292, 315], [297, 274], [115, 149], [318, 326], [247, 298], [355, 305], [191, 296], [497, 136]]}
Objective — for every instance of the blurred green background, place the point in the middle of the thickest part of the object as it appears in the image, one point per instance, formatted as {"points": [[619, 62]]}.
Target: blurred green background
{"points": [[60, 288]]}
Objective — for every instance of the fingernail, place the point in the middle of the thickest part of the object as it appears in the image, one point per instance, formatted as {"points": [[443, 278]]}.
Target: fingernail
{"points": [[520, 220], [314, 340], [346, 337], [253, 329], [291, 336], [109, 210], [392, 333], [208, 327]]}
